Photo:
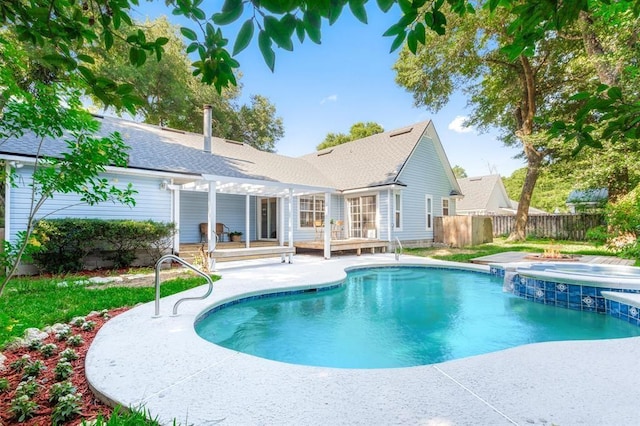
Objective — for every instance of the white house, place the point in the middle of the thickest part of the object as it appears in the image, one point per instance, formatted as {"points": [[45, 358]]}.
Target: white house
{"points": [[380, 188]]}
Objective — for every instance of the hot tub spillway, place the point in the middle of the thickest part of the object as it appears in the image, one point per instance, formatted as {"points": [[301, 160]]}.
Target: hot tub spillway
{"points": [[508, 283]]}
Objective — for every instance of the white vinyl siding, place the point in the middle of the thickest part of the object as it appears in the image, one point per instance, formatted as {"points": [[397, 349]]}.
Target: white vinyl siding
{"points": [[423, 175], [152, 203]]}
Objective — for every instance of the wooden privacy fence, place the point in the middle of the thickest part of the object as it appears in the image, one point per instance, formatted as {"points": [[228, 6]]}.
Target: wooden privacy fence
{"points": [[462, 231], [558, 226]]}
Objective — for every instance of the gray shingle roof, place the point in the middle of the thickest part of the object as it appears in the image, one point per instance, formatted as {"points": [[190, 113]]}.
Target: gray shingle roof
{"points": [[372, 161], [477, 192], [160, 149]]}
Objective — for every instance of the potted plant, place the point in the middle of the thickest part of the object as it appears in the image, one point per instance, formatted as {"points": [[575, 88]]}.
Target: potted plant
{"points": [[235, 236]]}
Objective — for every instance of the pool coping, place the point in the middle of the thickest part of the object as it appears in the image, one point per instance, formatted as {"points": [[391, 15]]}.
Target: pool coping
{"points": [[161, 364]]}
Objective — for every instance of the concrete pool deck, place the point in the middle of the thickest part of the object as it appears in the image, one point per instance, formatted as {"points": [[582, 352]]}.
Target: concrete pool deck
{"points": [[162, 365]]}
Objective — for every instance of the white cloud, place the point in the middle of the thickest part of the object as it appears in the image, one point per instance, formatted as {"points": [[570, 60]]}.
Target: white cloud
{"points": [[330, 98], [457, 125]]}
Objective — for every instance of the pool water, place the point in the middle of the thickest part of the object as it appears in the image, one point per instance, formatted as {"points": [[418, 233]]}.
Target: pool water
{"points": [[398, 317]]}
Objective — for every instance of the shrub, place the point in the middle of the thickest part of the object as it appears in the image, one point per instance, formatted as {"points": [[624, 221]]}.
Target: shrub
{"points": [[68, 407], [58, 390], [48, 350], [22, 408], [68, 355], [65, 243], [4, 385], [63, 334], [27, 388], [33, 369], [63, 370], [19, 363], [88, 325], [75, 340]]}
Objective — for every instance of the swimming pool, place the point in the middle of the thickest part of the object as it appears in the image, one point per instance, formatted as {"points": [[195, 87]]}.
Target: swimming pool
{"points": [[387, 317]]}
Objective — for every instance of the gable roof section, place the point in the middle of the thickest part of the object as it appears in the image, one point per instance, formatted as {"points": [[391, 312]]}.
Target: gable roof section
{"points": [[165, 150], [477, 192], [373, 161]]}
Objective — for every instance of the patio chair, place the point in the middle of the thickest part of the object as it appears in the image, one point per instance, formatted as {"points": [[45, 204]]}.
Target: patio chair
{"points": [[337, 230], [318, 225], [221, 231]]}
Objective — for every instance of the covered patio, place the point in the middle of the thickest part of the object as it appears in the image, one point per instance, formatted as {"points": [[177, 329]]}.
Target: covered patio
{"points": [[282, 218]]}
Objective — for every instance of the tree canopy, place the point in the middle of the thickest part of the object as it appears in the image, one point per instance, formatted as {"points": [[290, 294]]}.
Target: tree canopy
{"points": [[172, 97], [459, 172], [357, 131]]}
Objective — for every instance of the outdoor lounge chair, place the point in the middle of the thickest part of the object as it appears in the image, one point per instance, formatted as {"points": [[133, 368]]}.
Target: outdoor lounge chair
{"points": [[221, 231]]}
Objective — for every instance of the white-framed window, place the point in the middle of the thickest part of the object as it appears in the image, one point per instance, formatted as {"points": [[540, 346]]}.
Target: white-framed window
{"points": [[445, 207], [397, 210], [311, 209], [428, 203]]}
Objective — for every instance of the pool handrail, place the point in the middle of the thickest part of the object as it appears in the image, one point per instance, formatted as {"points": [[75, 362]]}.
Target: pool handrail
{"points": [[188, 265], [397, 249]]}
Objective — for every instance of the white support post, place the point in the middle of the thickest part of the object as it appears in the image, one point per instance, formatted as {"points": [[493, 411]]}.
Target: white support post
{"points": [[7, 203], [327, 225], [290, 221], [211, 223], [175, 217], [247, 228], [280, 209], [390, 213]]}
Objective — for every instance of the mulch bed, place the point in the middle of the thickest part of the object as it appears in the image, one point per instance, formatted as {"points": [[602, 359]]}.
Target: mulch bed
{"points": [[91, 406]]}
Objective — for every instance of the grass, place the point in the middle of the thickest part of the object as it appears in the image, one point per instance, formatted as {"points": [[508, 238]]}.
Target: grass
{"points": [[38, 302], [500, 245]]}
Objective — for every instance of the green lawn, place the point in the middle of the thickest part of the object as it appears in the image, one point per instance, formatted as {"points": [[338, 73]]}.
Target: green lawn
{"points": [[38, 302], [500, 245]]}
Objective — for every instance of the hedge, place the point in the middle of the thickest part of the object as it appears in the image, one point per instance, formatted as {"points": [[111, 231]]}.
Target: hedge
{"points": [[65, 243]]}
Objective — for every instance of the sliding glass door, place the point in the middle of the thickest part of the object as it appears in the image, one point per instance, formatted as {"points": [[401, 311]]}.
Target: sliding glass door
{"points": [[362, 217]]}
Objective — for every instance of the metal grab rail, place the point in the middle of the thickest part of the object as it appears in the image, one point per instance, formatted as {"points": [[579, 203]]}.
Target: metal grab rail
{"points": [[397, 248], [188, 265]]}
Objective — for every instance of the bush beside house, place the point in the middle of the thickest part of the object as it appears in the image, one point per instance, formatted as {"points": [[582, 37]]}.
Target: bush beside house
{"points": [[67, 245]]}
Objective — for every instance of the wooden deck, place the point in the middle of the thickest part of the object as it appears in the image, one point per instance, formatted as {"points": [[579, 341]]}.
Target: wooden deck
{"points": [[518, 256], [229, 251], [357, 244]]}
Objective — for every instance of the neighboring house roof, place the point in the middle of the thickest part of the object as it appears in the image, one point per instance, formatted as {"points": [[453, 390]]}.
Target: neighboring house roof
{"points": [[373, 161], [487, 195], [376, 160], [588, 196], [479, 190]]}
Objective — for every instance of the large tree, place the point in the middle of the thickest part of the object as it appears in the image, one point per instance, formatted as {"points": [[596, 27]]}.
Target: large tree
{"points": [[173, 97], [520, 97], [357, 131]]}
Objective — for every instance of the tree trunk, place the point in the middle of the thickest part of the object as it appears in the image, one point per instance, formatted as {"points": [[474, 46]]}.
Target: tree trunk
{"points": [[519, 231], [525, 115]]}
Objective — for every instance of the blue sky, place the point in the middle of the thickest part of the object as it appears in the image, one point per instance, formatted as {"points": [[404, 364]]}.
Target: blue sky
{"points": [[325, 88]]}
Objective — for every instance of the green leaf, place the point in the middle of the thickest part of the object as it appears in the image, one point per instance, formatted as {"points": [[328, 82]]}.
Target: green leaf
{"points": [[334, 12], [420, 33], [358, 10], [225, 18], [244, 37], [269, 56], [189, 33], [279, 32], [87, 74], [412, 42], [300, 30], [397, 42], [394, 30], [108, 39], [614, 93], [312, 24], [580, 96], [385, 5], [86, 58], [230, 5], [161, 41], [192, 47], [198, 14]]}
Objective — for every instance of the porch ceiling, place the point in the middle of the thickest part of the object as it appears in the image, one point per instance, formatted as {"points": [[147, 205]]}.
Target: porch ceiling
{"points": [[257, 187]]}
